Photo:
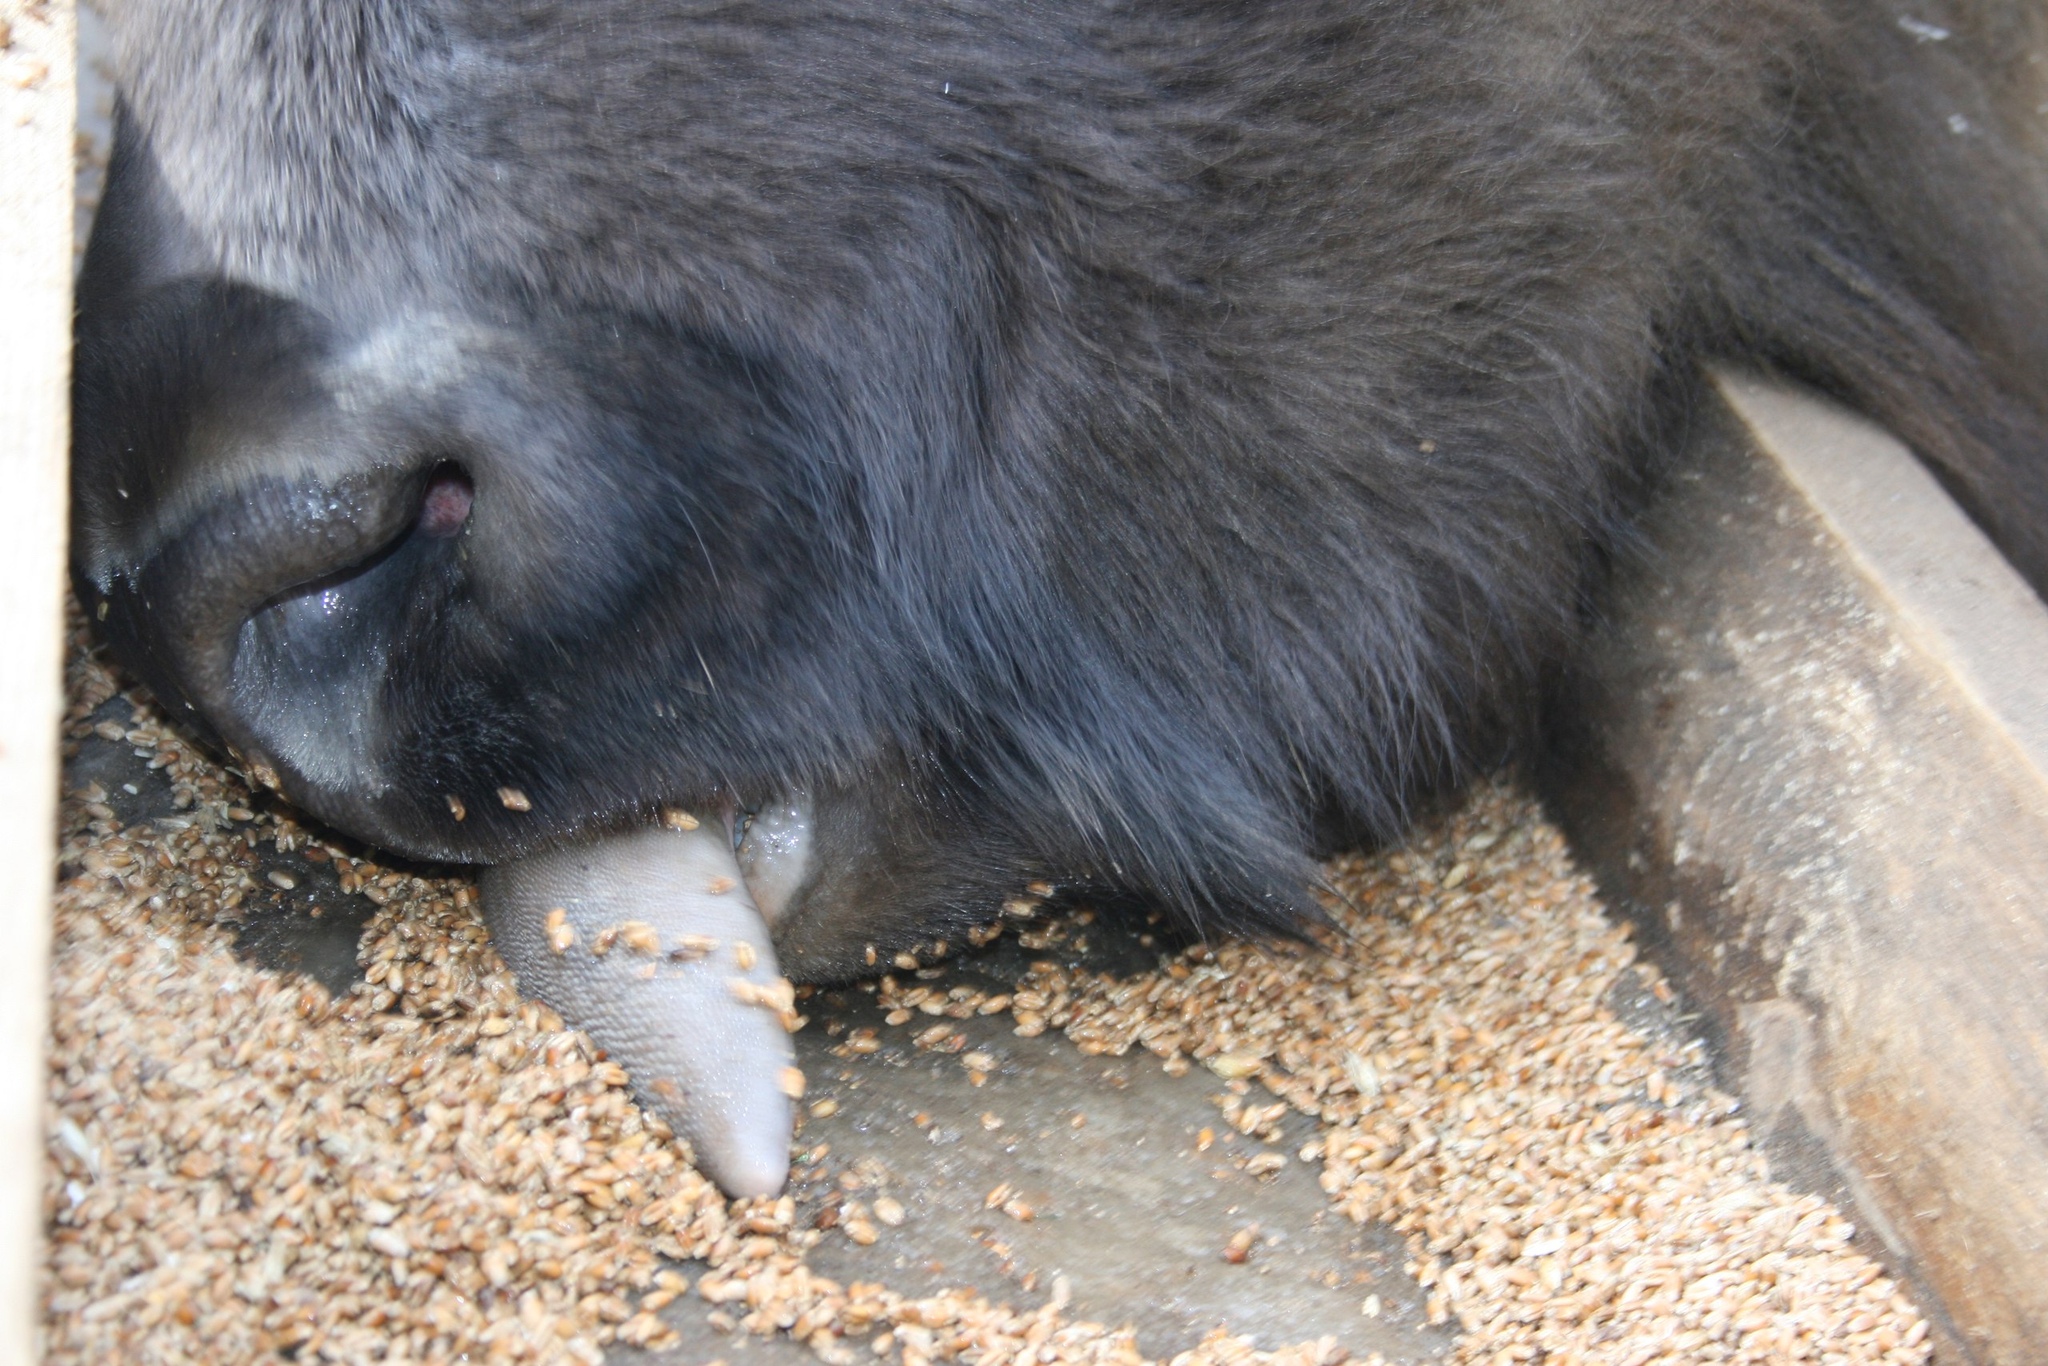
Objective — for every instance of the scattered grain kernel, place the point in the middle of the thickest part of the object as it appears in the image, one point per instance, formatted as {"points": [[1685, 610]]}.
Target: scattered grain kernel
{"points": [[1239, 1248], [1422, 1140], [561, 934], [388, 1241], [689, 947], [512, 799]]}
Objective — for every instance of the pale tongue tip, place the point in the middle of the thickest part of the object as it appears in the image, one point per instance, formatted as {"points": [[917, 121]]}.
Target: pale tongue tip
{"points": [[745, 1164], [708, 1062], [734, 1113]]}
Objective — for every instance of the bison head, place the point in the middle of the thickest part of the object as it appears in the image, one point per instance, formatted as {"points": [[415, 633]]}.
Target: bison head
{"points": [[921, 451]]}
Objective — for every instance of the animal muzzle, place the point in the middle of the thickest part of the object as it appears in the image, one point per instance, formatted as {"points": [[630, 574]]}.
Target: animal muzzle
{"points": [[263, 619], [272, 515]]}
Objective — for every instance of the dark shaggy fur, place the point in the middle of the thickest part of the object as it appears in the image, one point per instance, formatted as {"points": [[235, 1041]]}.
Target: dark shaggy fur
{"points": [[1105, 441]]}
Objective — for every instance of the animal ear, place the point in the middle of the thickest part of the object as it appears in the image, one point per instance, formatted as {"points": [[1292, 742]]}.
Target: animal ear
{"points": [[140, 239]]}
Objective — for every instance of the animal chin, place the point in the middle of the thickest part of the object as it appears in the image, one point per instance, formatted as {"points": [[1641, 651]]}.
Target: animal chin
{"points": [[656, 942]]}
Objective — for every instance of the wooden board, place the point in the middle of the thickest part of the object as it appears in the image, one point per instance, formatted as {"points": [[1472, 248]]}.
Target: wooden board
{"points": [[38, 108], [1811, 758]]}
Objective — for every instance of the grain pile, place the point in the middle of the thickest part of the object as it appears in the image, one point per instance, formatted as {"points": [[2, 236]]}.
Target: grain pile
{"points": [[1567, 1199], [427, 1169]]}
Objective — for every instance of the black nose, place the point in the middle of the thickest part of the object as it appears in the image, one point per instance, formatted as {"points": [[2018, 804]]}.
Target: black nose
{"points": [[198, 616], [255, 530]]}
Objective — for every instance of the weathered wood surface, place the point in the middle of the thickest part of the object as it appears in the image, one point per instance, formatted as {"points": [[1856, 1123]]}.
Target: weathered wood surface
{"points": [[38, 106], [1811, 756]]}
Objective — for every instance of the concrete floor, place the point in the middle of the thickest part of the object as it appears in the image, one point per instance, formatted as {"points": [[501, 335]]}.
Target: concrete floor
{"points": [[1105, 1152]]}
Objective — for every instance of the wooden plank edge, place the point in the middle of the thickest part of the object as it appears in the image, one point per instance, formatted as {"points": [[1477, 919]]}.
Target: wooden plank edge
{"points": [[38, 113], [1803, 756], [1946, 582]]}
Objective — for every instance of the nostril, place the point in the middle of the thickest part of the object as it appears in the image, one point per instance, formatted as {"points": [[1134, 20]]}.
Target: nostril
{"points": [[445, 505], [253, 567]]}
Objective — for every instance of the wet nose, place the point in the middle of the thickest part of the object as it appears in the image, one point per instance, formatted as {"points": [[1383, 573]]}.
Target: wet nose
{"points": [[181, 614], [253, 521]]}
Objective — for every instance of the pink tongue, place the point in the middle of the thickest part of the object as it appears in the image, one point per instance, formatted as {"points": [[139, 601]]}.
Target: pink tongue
{"points": [[650, 942]]}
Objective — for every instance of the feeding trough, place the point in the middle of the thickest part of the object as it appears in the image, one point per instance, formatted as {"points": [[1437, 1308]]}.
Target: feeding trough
{"points": [[1810, 754], [1807, 759]]}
